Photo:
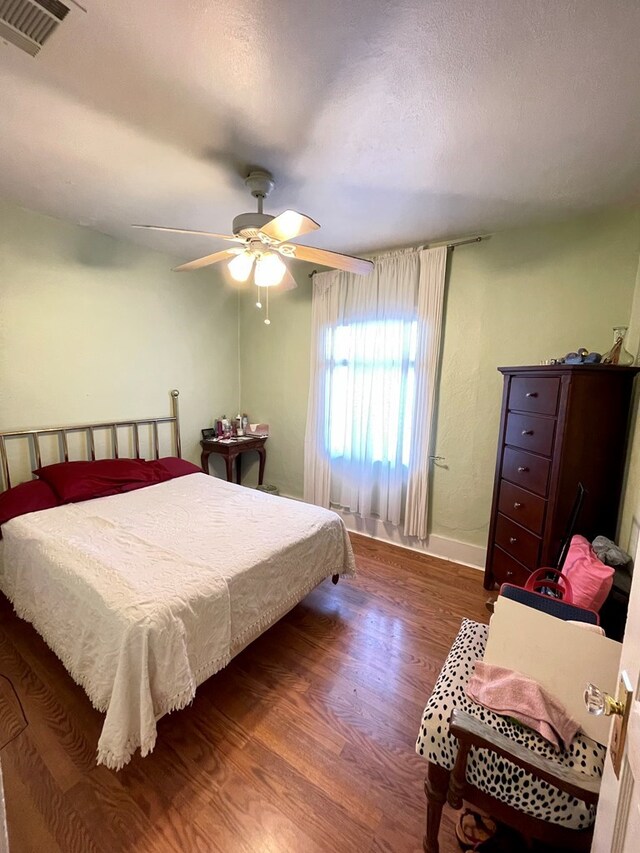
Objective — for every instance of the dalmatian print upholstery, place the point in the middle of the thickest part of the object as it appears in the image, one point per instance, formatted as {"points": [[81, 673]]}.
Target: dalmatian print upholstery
{"points": [[490, 772]]}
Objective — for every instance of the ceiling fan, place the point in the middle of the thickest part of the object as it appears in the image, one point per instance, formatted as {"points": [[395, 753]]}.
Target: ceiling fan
{"points": [[265, 243]]}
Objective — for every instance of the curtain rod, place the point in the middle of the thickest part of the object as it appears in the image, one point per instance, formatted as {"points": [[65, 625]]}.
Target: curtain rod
{"points": [[452, 245], [460, 242]]}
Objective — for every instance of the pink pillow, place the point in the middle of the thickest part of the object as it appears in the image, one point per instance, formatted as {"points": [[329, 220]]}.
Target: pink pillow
{"points": [[27, 497], [81, 481], [590, 579]]}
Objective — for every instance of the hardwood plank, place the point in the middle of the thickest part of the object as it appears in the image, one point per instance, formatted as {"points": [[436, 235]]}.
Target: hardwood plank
{"points": [[241, 820], [323, 818], [324, 769], [28, 831], [305, 742], [41, 683], [12, 719], [102, 802], [21, 758]]}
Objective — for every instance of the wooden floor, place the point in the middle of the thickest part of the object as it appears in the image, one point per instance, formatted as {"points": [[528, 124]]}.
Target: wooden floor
{"points": [[304, 743]]}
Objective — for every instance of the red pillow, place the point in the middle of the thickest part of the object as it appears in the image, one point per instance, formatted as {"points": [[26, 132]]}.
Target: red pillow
{"points": [[27, 497], [590, 579], [81, 481], [178, 467], [167, 469]]}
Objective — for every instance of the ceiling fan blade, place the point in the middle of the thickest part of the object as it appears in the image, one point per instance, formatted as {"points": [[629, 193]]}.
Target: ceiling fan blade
{"points": [[332, 259], [191, 231], [207, 260], [288, 281], [288, 226]]}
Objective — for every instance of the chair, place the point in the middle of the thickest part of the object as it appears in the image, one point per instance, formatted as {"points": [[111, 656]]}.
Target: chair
{"points": [[547, 604], [500, 767]]}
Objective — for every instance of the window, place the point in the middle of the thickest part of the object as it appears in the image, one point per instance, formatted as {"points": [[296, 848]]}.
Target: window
{"points": [[374, 361], [370, 390]]}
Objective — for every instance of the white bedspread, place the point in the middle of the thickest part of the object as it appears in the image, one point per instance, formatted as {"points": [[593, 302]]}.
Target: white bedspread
{"points": [[145, 595]]}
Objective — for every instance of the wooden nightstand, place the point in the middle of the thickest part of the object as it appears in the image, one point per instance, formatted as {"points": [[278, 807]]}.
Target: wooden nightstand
{"points": [[232, 449]]}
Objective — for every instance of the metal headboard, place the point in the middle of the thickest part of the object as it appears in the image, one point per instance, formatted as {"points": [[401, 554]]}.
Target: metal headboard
{"points": [[33, 438]]}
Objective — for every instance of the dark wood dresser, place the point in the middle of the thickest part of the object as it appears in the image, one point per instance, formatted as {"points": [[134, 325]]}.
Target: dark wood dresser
{"points": [[560, 425]]}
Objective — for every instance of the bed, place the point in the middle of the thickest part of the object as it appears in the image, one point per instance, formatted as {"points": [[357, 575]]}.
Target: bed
{"points": [[145, 594]]}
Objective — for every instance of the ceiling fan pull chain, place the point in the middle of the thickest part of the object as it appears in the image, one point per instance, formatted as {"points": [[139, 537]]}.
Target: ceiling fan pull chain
{"points": [[267, 321], [258, 301]]}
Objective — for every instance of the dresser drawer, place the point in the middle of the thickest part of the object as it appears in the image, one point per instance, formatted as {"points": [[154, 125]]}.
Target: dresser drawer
{"points": [[522, 506], [534, 394], [507, 570], [526, 470], [519, 543], [530, 432]]}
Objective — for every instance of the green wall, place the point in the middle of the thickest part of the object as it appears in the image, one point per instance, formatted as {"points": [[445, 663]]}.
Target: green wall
{"points": [[519, 297], [93, 328], [274, 366], [629, 525]]}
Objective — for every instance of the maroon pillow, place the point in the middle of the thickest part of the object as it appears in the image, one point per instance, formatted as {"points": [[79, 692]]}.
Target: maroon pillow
{"points": [[131, 487], [27, 497], [166, 469], [178, 467], [155, 474], [81, 481]]}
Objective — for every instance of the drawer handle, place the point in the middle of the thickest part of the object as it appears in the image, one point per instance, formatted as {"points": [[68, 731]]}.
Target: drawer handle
{"points": [[517, 505], [531, 394], [527, 432], [512, 540], [522, 469]]}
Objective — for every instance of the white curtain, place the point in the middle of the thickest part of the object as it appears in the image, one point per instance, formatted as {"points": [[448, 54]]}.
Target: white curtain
{"points": [[433, 267], [375, 345]]}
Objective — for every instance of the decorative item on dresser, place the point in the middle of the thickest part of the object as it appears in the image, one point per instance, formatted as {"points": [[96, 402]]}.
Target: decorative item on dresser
{"points": [[560, 425]]}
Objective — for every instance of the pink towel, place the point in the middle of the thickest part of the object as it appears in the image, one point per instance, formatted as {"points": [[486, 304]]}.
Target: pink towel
{"points": [[515, 695]]}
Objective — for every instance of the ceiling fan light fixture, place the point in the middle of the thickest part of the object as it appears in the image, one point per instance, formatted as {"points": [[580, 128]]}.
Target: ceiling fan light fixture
{"points": [[240, 266], [270, 270]]}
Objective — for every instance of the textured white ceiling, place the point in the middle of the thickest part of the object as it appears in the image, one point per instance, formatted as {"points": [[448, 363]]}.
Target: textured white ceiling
{"points": [[388, 122]]}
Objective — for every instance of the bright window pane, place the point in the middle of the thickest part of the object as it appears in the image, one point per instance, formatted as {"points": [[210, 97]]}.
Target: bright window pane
{"points": [[371, 390]]}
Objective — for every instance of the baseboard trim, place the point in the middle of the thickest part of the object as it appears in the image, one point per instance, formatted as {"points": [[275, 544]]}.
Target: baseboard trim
{"points": [[474, 556]]}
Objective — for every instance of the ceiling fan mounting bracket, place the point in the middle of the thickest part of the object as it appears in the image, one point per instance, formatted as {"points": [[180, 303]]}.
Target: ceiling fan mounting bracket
{"points": [[259, 183]]}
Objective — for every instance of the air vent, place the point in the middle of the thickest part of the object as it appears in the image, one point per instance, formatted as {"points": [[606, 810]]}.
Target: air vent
{"points": [[28, 24]]}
